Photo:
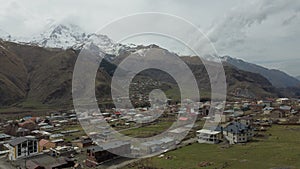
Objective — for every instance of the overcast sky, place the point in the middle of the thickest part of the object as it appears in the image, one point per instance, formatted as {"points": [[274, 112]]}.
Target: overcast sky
{"points": [[265, 32]]}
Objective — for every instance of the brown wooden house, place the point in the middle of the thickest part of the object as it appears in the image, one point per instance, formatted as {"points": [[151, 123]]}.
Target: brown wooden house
{"points": [[107, 151], [46, 144], [83, 142]]}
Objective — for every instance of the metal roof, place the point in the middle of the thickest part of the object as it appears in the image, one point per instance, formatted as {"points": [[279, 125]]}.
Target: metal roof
{"points": [[19, 140], [107, 146], [2, 135], [205, 131], [236, 127]]}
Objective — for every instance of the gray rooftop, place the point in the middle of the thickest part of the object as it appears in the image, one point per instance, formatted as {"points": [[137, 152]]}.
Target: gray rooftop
{"points": [[19, 140], [109, 145], [236, 127], [2, 135], [47, 161]]}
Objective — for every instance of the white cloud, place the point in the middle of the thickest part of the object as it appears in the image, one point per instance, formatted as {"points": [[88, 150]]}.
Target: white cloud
{"points": [[254, 31], [232, 29]]}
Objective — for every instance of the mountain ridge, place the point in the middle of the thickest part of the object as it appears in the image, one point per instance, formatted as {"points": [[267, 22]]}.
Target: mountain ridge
{"points": [[31, 77], [73, 37], [278, 78], [66, 36]]}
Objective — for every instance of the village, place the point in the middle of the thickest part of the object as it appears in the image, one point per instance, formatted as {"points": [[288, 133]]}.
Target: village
{"points": [[57, 140]]}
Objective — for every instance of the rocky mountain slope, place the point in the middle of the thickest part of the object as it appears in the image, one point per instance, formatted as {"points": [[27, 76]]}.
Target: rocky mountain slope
{"points": [[37, 71], [70, 36], [34, 77], [240, 83], [278, 78]]}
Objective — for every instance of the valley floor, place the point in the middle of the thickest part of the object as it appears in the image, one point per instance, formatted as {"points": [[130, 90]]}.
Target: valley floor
{"points": [[278, 149]]}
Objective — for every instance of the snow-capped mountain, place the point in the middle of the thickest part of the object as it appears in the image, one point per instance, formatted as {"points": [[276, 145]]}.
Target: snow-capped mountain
{"points": [[59, 36], [72, 36], [67, 36], [103, 42]]}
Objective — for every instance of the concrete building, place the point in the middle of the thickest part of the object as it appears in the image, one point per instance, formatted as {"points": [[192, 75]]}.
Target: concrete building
{"points": [[209, 136], [64, 151], [237, 132], [22, 147]]}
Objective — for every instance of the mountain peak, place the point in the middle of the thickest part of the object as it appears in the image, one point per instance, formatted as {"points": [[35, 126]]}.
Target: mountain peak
{"points": [[61, 28], [227, 58], [65, 36], [60, 36]]}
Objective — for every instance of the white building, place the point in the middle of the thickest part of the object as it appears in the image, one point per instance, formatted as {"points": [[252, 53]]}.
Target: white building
{"points": [[22, 147], [209, 136], [237, 132]]}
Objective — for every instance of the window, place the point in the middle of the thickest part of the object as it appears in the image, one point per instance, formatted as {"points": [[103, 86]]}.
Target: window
{"points": [[19, 150], [30, 147], [35, 146]]}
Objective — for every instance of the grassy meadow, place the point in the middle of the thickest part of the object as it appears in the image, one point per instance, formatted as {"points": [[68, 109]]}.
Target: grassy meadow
{"points": [[279, 149]]}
